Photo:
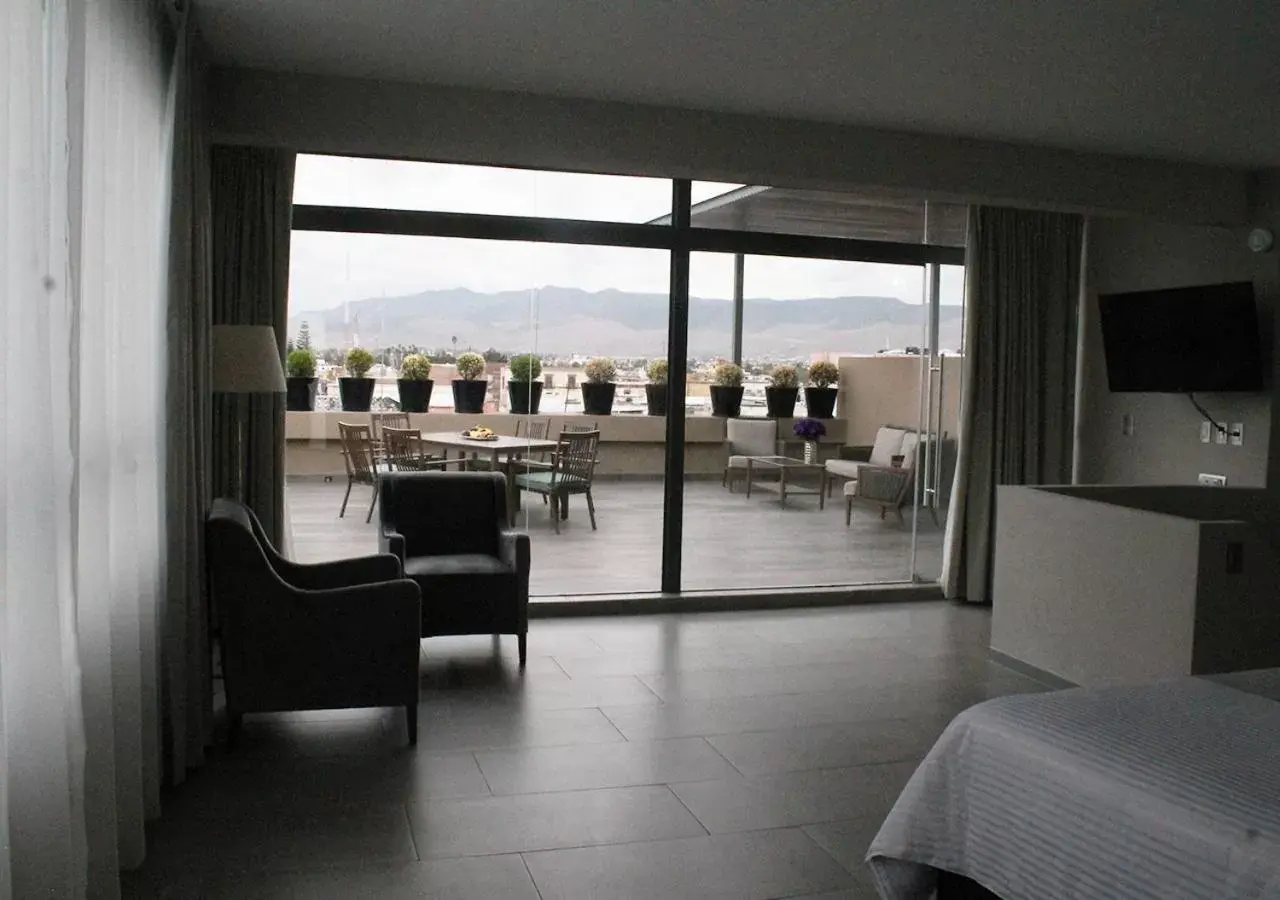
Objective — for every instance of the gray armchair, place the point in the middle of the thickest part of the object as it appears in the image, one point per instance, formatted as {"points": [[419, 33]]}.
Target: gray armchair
{"points": [[330, 636], [449, 530]]}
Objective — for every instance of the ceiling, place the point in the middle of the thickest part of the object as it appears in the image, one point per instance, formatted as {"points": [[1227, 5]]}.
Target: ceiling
{"points": [[1176, 79]]}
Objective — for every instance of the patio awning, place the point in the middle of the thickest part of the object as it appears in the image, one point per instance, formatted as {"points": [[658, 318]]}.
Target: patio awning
{"points": [[828, 214]]}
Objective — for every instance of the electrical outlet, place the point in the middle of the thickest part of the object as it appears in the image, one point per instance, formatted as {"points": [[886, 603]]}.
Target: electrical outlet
{"points": [[1235, 432], [1206, 433], [1220, 435], [1204, 479], [1126, 425]]}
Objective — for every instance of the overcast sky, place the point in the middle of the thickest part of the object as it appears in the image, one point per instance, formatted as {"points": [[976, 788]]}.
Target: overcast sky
{"points": [[329, 269]]}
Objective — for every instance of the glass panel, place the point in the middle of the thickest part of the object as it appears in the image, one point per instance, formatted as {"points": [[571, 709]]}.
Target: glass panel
{"points": [[442, 187], [565, 304], [942, 421], [866, 216], [797, 312]]}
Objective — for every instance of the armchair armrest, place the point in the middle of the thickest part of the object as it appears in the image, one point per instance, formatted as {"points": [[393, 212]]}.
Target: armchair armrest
{"points": [[887, 484], [339, 573], [514, 550], [392, 542]]}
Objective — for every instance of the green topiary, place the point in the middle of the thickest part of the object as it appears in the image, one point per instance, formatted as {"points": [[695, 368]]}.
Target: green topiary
{"points": [[470, 366], [415, 367], [600, 370], [525, 367], [784, 377], [727, 374], [358, 362], [301, 364], [656, 371], [823, 374]]}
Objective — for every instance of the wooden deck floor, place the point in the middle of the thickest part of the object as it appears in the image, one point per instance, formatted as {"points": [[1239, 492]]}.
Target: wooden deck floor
{"points": [[731, 542]]}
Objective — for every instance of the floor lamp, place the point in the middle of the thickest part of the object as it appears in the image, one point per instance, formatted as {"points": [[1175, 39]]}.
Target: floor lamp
{"points": [[246, 360]]}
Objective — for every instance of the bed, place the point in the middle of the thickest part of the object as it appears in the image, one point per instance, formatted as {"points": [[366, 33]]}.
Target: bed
{"points": [[1170, 790]]}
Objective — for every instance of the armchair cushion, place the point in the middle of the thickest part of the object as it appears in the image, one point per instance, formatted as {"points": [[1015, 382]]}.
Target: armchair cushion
{"points": [[888, 444], [749, 437], [462, 564]]}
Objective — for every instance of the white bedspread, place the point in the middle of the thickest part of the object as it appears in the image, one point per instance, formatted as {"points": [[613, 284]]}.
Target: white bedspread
{"points": [[1162, 792]]}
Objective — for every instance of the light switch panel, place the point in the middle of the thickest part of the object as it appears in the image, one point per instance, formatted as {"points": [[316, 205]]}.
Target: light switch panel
{"points": [[1236, 433]]}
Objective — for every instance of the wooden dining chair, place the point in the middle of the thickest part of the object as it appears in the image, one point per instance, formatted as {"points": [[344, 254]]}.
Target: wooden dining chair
{"points": [[359, 457], [572, 470], [381, 420], [404, 451]]}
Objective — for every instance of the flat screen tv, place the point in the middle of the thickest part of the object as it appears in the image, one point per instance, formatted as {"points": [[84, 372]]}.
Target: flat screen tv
{"points": [[1184, 340]]}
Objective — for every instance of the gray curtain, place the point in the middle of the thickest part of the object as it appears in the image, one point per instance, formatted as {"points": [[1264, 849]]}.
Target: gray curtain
{"points": [[187, 685], [252, 200], [1022, 284]]}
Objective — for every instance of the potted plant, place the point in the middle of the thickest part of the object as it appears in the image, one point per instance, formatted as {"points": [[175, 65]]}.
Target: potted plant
{"points": [[656, 390], [598, 389], [524, 389], [783, 391], [469, 388], [355, 389], [726, 390], [415, 383], [820, 396], [809, 431], [300, 384]]}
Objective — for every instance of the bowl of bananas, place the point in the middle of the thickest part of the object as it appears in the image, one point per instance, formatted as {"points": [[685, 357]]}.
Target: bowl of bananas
{"points": [[479, 433]]}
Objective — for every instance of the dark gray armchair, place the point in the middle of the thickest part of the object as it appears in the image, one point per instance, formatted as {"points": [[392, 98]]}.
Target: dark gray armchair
{"points": [[449, 530], [329, 636]]}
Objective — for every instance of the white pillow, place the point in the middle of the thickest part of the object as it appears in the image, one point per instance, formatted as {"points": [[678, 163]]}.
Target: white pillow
{"points": [[910, 446], [888, 445]]}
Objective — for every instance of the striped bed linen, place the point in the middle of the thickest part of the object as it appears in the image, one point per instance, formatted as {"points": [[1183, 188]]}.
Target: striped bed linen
{"points": [[1156, 792]]}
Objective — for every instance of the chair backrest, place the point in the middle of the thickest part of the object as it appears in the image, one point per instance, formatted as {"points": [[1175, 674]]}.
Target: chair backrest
{"points": [[535, 429], [576, 456], [578, 427], [402, 447], [752, 437], [888, 444], [357, 452], [445, 513], [238, 563], [379, 421]]}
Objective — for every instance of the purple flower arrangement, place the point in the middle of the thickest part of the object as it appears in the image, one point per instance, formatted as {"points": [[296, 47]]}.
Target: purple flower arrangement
{"points": [[810, 429]]}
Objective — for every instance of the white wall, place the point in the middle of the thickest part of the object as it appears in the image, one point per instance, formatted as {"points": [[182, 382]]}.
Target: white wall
{"points": [[1090, 592], [349, 116], [1165, 448]]}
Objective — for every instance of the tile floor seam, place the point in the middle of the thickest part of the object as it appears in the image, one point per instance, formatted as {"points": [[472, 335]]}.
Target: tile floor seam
{"points": [[475, 757], [716, 750], [810, 838], [533, 881], [413, 838], [701, 824]]}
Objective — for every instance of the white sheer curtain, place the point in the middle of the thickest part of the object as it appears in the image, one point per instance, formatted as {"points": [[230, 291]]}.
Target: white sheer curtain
{"points": [[85, 130]]}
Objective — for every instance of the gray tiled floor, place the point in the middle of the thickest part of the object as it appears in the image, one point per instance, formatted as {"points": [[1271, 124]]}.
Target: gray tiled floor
{"points": [[708, 756]]}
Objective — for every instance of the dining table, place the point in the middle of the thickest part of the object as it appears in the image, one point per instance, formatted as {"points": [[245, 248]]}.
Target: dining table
{"points": [[503, 451]]}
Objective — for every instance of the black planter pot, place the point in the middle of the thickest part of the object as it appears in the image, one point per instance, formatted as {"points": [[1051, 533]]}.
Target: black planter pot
{"points": [[525, 396], [656, 394], [415, 395], [726, 401], [468, 396], [781, 401], [300, 394], [597, 399], [821, 402], [356, 393]]}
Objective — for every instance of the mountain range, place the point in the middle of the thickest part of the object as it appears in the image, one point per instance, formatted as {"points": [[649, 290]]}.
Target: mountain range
{"points": [[563, 321]]}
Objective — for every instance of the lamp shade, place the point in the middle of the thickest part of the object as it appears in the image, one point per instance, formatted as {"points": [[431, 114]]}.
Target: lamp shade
{"points": [[246, 360]]}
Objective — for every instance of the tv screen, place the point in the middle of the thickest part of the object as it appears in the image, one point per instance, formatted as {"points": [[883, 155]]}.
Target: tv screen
{"points": [[1182, 340]]}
